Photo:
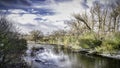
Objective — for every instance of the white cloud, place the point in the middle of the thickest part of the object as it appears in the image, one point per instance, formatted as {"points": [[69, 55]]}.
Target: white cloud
{"points": [[24, 19], [53, 22], [64, 11], [17, 11]]}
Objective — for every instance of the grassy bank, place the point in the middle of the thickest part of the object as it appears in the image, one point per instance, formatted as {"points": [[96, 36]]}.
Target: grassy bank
{"points": [[108, 44]]}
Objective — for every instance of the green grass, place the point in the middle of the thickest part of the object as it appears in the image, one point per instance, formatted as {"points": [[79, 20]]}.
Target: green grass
{"points": [[109, 43]]}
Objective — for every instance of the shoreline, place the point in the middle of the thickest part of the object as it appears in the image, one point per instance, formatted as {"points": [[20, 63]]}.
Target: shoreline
{"points": [[92, 53], [86, 51]]}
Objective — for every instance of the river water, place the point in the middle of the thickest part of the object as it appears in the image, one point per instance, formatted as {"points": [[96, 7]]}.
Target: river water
{"points": [[49, 56]]}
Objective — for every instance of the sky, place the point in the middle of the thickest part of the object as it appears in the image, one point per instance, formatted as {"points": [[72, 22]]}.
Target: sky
{"points": [[45, 15]]}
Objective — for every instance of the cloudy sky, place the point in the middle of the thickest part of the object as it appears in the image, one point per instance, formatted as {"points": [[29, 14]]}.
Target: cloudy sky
{"points": [[45, 15]]}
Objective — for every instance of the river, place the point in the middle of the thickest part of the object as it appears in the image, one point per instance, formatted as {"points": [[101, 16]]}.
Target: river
{"points": [[49, 56]]}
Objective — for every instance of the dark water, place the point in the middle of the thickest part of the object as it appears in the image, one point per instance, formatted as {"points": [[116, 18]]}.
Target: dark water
{"points": [[48, 56]]}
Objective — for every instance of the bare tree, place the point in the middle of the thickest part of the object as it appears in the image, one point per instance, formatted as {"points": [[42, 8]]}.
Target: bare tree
{"points": [[36, 35], [115, 14], [83, 18]]}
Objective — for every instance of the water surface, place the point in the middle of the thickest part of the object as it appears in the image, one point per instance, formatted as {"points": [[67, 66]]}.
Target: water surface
{"points": [[48, 56]]}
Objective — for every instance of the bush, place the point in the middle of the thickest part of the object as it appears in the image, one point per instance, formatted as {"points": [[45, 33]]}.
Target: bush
{"points": [[88, 41], [11, 46], [110, 44]]}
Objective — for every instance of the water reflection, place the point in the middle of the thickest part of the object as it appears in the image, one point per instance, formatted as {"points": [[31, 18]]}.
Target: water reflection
{"points": [[85, 61], [47, 57], [53, 57]]}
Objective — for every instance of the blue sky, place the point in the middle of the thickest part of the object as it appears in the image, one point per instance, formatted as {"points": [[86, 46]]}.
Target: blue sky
{"points": [[45, 15]]}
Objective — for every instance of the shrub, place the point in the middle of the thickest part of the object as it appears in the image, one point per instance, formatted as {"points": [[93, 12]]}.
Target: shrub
{"points": [[110, 44], [11, 46]]}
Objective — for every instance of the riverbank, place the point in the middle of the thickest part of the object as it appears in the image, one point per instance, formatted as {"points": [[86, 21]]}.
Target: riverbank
{"points": [[46, 56], [86, 51], [107, 45], [91, 52], [95, 53]]}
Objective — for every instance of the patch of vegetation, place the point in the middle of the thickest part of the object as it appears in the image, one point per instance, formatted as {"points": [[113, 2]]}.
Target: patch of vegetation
{"points": [[12, 45], [110, 44]]}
